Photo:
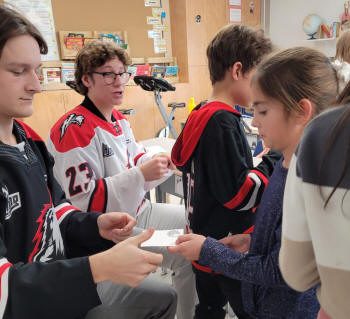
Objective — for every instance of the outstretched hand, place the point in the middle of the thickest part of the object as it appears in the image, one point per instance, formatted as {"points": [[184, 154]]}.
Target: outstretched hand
{"points": [[125, 263], [239, 242], [189, 246], [115, 226]]}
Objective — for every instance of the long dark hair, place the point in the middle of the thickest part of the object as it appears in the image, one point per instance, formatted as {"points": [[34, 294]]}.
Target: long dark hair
{"points": [[13, 24], [344, 120]]}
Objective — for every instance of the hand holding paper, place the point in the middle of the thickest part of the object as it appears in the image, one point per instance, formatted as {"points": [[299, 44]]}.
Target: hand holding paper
{"points": [[163, 238]]}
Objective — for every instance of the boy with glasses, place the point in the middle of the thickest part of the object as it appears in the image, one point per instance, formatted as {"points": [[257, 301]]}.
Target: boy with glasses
{"points": [[101, 167]]}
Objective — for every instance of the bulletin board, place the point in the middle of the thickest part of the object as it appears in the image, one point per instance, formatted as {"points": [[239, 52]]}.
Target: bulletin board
{"points": [[130, 15]]}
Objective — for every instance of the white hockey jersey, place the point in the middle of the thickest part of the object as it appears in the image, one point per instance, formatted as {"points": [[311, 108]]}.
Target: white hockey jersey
{"points": [[96, 162]]}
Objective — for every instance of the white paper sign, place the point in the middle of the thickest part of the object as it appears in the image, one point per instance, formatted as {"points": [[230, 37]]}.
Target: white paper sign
{"points": [[163, 238], [39, 12], [235, 2], [154, 20], [235, 15], [154, 34], [152, 3]]}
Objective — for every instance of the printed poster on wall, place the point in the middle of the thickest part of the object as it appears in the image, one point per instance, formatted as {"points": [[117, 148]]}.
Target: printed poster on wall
{"points": [[235, 15], [152, 3], [235, 3], [40, 13]]}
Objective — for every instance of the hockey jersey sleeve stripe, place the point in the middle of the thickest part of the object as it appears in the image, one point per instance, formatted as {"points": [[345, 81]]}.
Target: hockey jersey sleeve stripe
{"points": [[63, 210], [252, 197], [4, 274], [254, 184], [261, 176], [241, 195], [98, 199], [137, 157], [249, 230]]}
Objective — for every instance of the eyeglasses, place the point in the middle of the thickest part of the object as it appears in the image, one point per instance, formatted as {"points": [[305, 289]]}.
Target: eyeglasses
{"points": [[109, 77]]}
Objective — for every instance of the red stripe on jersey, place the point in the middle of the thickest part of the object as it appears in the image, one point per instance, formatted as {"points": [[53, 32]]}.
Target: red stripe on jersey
{"points": [[203, 268], [261, 176], [137, 157], [249, 230], [118, 115], [2, 270], [64, 209], [241, 195], [4, 267], [98, 200]]}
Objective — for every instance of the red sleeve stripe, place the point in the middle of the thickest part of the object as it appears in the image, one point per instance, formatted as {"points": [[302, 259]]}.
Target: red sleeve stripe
{"points": [[98, 200], [63, 210], [249, 230], [241, 195], [261, 176], [4, 273], [206, 269], [137, 157]]}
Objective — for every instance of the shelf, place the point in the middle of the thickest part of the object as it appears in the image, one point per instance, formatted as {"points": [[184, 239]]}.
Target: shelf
{"points": [[321, 40], [54, 86], [137, 60], [154, 60]]}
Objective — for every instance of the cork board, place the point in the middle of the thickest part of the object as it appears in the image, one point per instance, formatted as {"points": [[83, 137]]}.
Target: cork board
{"points": [[108, 15]]}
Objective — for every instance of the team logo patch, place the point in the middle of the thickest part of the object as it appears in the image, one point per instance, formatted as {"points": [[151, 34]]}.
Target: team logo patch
{"points": [[13, 202], [71, 119], [106, 150], [47, 240]]}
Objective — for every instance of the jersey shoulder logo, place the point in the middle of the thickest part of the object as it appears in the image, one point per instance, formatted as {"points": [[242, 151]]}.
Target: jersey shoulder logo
{"points": [[71, 119], [13, 202]]}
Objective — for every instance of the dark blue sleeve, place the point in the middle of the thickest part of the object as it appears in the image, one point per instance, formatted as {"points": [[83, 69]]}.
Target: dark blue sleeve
{"points": [[253, 268]]}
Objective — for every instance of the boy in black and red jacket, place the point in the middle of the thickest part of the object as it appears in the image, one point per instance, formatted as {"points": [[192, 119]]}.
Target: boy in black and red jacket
{"points": [[221, 186]]}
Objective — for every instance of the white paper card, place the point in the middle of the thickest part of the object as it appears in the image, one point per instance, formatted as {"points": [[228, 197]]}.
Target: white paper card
{"points": [[235, 2], [152, 3], [235, 15], [154, 20], [162, 238]]}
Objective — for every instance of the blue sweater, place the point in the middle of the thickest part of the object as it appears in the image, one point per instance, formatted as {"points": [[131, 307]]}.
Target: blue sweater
{"points": [[265, 294]]}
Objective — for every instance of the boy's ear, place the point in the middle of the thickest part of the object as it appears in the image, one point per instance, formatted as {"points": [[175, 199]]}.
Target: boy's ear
{"points": [[87, 80], [236, 70], [307, 111]]}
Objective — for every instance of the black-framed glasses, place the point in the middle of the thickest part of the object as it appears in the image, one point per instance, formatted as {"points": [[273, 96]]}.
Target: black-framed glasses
{"points": [[109, 77]]}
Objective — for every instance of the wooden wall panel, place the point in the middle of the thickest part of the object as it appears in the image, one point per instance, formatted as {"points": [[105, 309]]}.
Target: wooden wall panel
{"points": [[48, 107], [252, 19]]}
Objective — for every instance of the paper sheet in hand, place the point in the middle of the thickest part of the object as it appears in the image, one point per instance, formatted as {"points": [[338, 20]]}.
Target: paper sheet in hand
{"points": [[163, 238]]}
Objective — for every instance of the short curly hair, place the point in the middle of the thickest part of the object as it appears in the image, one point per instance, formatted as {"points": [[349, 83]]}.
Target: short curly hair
{"points": [[234, 43], [94, 55]]}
